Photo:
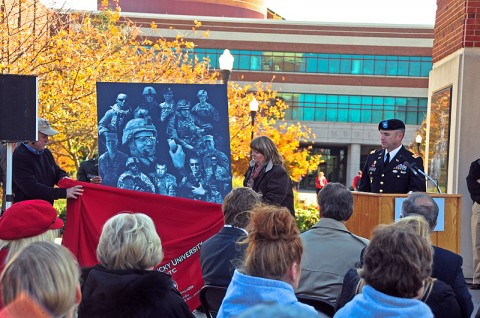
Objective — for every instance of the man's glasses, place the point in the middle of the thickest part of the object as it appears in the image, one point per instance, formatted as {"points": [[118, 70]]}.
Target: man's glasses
{"points": [[146, 139]]}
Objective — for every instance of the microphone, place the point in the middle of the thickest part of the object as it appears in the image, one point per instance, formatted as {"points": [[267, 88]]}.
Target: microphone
{"points": [[411, 166]]}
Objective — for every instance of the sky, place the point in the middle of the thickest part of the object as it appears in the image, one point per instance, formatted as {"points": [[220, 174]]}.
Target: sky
{"points": [[354, 11]]}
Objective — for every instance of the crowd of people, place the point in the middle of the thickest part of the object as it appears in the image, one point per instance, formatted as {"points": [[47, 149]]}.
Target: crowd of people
{"points": [[265, 264]]}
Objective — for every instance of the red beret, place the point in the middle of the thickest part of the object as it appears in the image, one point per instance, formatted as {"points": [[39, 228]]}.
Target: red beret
{"points": [[28, 218]]}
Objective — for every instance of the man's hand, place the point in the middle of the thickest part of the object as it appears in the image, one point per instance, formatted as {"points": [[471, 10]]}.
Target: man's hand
{"points": [[198, 190], [96, 180], [177, 154], [74, 192]]}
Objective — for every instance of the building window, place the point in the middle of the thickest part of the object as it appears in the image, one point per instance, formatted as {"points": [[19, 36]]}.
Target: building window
{"points": [[354, 108], [322, 63]]}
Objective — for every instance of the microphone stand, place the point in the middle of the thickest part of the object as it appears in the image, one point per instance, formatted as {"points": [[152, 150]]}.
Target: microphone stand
{"points": [[427, 177]]}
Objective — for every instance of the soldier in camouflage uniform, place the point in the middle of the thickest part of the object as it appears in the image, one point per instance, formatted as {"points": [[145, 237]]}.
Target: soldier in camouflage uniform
{"points": [[116, 117], [164, 182], [112, 163], [142, 182]]}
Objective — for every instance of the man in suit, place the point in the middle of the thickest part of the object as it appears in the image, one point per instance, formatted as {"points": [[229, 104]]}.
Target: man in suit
{"points": [[385, 170], [221, 253], [329, 249], [447, 266]]}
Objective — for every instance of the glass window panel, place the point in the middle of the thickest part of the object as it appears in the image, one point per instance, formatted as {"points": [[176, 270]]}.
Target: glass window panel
{"points": [[308, 113], [401, 101], [389, 101], [368, 67], [423, 102], [244, 62], [255, 63], [366, 116], [391, 68], [320, 114], [367, 100], [380, 67], [403, 68], [311, 66], [332, 114], [345, 66], [334, 66], [323, 66], [377, 100], [321, 98], [357, 66], [414, 69], [342, 115], [355, 100], [426, 67], [354, 116], [343, 99], [378, 116], [332, 99]]}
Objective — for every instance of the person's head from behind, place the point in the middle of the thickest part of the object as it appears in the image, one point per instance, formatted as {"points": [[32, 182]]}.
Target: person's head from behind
{"points": [[415, 223], [238, 204], [274, 247], [129, 241], [264, 150], [420, 203], [335, 201], [46, 272], [26, 222], [397, 261]]}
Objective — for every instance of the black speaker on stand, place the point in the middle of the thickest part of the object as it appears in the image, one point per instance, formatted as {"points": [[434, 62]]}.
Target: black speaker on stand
{"points": [[18, 119]]}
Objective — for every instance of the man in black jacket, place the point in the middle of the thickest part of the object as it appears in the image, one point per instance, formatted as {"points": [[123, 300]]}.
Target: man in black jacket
{"points": [[35, 172], [221, 253], [447, 266], [386, 169], [473, 184]]}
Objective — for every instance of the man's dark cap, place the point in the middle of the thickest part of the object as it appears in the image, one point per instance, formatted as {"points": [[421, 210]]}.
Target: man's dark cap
{"points": [[391, 124]]}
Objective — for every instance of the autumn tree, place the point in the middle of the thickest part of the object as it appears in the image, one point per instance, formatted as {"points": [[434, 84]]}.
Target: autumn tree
{"points": [[83, 49]]}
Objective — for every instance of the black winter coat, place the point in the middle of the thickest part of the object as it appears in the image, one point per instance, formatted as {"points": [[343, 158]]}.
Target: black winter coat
{"points": [[274, 184], [130, 293]]}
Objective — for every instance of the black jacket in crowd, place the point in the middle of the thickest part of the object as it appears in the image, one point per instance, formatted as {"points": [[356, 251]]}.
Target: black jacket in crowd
{"points": [[35, 176], [472, 184], [130, 293], [274, 184]]}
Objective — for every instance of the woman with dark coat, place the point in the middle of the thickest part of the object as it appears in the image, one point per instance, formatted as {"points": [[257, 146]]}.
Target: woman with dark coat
{"points": [[267, 176], [124, 284]]}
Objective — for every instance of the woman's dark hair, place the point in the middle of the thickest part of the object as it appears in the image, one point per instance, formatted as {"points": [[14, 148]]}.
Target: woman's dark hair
{"points": [[397, 261]]}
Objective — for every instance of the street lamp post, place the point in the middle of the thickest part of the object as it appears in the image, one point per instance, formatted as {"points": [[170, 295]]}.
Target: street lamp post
{"points": [[418, 140], [253, 112], [226, 65]]}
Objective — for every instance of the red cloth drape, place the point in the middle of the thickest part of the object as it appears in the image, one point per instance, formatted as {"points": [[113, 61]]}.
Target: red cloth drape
{"points": [[182, 224]]}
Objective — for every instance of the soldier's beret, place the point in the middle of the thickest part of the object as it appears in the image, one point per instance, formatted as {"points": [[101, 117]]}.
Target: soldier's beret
{"points": [[391, 124]]}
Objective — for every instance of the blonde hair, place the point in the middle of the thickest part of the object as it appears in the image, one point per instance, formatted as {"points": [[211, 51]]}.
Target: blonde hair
{"points": [[16, 245], [47, 272], [129, 241], [274, 243], [417, 224]]}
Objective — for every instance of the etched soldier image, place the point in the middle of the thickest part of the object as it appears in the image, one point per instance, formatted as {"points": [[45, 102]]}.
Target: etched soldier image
{"points": [[116, 117], [207, 150], [182, 128], [194, 184], [112, 163], [140, 137], [149, 107], [204, 113], [183, 153], [164, 182], [142, 182], [167, 108], [218, 180]]}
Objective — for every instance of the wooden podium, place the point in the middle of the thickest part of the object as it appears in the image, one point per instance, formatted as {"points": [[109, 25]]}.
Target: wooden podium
{"points": [[371, 209]]}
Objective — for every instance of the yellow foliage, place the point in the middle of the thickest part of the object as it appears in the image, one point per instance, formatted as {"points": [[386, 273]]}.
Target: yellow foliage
{"points": [[82, 50]]}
